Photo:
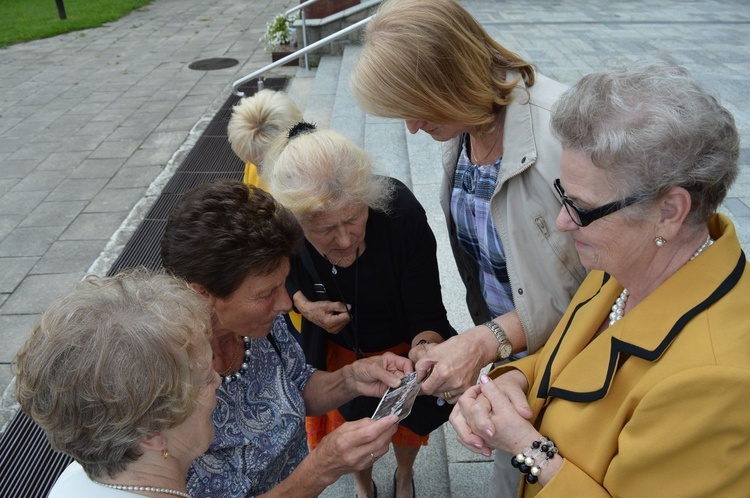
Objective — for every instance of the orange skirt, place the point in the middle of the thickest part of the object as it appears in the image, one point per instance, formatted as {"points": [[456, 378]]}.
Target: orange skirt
{"points": [[318, 427]]}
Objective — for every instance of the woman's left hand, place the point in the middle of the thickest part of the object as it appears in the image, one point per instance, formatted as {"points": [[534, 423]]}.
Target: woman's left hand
{"points": [[372, 376], [494, 415]]}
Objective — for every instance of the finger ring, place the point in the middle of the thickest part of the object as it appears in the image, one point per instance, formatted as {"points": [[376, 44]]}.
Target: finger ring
{"points": [[447, 395], [373, 458]]}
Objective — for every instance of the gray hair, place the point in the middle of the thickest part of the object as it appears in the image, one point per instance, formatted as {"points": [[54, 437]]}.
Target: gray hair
{"points": [[652, 127], [114, 361], [323, 171]]}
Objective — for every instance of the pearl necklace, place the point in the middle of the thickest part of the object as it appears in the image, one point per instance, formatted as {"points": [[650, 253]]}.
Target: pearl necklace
{"points": [[164, 491], [619, 306], [226, 379]]}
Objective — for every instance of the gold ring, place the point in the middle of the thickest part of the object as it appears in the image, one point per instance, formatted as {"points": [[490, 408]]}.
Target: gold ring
{"points": [[447, 396]]}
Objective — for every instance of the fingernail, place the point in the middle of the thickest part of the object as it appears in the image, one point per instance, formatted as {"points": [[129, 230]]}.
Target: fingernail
{"points": [[477, 445], [484, 379], [489, 433]]}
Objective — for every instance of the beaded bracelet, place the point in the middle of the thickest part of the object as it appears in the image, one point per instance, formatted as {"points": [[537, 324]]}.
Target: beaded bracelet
{"points": [[527, 462]]}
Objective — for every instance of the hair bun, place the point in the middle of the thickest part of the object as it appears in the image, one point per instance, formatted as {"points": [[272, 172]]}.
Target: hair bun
{"points": [[299, 129]]}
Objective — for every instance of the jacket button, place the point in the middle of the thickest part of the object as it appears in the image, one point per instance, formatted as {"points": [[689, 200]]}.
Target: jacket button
{"points": [[523, 160], [520, 290]]}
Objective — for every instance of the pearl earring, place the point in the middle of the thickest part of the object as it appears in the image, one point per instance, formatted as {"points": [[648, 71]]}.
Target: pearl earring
{"points": [[659, 241]]}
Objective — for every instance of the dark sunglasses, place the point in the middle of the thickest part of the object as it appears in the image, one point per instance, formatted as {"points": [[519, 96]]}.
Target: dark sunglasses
{"points": [[584, 217]]}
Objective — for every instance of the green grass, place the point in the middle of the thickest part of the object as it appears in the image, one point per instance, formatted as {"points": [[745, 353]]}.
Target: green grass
{"points": [[25, 20]]}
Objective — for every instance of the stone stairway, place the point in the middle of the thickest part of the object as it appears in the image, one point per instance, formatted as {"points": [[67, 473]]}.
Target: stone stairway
{"points": [[443, 468]]}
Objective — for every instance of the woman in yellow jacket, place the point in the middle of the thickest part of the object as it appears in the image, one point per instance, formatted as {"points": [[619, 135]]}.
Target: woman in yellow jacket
{"points": [[643, 389]]}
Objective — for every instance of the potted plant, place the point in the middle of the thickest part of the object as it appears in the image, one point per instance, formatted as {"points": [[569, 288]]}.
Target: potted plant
{"points": [[279, 38]]}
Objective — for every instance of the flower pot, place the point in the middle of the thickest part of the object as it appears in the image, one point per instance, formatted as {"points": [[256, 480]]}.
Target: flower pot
{"points": [[281, 51]]}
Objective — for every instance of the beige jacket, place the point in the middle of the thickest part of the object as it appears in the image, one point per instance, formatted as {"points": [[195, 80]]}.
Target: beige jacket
{"points": [[542, 263]]}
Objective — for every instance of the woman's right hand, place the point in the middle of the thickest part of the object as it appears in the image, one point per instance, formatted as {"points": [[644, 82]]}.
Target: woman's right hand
{"points": [[453, 366], [332, 316], [354, 446]]}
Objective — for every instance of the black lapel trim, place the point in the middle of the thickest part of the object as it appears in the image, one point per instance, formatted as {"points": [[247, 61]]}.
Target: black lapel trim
{"points": [[619, 346], [544, 385]]}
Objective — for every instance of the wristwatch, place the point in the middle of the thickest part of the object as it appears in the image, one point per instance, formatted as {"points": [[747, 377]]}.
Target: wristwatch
{"points": [[505, 348]]}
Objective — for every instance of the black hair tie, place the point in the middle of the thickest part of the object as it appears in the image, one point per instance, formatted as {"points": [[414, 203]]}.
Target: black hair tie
{"points": [[299, 129]]}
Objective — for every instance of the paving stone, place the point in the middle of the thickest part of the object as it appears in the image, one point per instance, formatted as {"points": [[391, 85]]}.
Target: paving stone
{"points": [[68, 256], [36, 292], [30, 241], [44, 181], [12, 271], [8, 223], [7, 184], [14, 330], [115, 199], [64, 161], [20, 202], [93, 226], [98, 168], [119, 149], [129, 133], [17, 168], [737, 207], [83, 189], [129, 177], [54, 213]]}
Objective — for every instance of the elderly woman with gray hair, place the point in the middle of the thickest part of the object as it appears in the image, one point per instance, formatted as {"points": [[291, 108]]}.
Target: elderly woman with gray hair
{"points": [[118, 373], [642, 389], [366, 281]]}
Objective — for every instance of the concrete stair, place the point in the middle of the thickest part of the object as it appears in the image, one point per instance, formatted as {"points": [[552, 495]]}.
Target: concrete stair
{"points": [[443, 468]]}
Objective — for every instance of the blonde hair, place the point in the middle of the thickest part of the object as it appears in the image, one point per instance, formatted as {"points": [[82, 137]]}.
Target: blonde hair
{"points": [[114, 361], [321, 171], [258, 121], [431, 60]]}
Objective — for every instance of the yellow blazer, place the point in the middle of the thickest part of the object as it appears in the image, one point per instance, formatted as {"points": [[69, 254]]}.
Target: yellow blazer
{"points": [[659, 403]]}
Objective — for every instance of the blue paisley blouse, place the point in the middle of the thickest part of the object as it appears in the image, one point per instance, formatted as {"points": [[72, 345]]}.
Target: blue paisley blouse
{"points": [[260, 423]]}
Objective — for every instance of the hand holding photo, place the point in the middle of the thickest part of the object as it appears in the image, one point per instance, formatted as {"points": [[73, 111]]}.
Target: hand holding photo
{"points": [[399, 400]]}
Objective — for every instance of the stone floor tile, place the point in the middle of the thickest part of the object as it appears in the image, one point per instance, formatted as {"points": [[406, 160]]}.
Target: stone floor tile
{"points": [[30, 241], [97, 168], [22, 203], [43, 181], [14, 330], [68, 256], [83, 189], [115, 199], [93, 226], [12, 271], [54, 213], [36, 292]]}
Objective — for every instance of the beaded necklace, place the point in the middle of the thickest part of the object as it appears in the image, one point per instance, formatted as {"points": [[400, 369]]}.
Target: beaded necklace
{"points": [[618, 309], [226, 379]]}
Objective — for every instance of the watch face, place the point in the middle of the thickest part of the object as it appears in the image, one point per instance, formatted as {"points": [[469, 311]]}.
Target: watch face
{"points": [[505, 350]]}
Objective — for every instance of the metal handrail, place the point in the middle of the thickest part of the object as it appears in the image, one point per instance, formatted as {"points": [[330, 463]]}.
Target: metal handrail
{"points": [[303, 18], [300, 6], [302, 51]]}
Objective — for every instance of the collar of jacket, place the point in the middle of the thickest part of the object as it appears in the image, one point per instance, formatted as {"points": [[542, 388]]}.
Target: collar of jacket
{"points": [[519, 147], [583, 373]]}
